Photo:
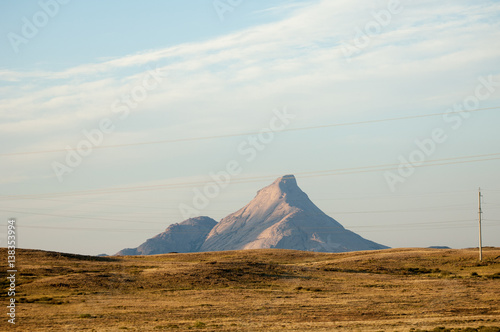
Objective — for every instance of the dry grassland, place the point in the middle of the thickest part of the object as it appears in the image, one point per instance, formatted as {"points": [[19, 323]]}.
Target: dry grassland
{"points": [[258, 290]]}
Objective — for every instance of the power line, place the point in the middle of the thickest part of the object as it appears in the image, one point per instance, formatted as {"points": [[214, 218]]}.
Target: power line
{"points": [[427, 228], [191, 139], [431, 223], [383, 227], [423, 209], [81, 217], [155, 215], [343, 171], [134, 200], [107, 204], [116, 205], [394, 196], [151, 215], [89, 229]]}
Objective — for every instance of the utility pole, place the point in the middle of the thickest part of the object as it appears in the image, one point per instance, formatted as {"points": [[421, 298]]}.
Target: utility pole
{"points": [[480, 234]]}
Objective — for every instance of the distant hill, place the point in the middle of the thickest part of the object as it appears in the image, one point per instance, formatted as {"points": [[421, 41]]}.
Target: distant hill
{"points": [[187, 236], [280, 216]]}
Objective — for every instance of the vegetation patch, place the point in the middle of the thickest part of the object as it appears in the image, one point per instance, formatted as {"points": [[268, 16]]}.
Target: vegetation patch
{"points": [[86, 316], [199, 325], [459, 329], [43, 300], [262, 290]]}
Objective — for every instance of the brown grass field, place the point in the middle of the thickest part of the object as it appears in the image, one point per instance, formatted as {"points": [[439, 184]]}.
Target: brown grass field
{"points": [[258, 290]]}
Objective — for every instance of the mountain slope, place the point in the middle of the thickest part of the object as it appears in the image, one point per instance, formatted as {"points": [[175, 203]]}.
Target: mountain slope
{"points": [[187, 236], [282, 216]]}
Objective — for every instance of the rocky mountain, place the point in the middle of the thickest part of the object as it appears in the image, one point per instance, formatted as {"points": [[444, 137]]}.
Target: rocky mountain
{"points": [[187, 236], [280, 216]]}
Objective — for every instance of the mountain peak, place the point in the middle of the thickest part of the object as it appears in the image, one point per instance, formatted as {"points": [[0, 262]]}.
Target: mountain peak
{"points": [[286, 183], [282, 216], [283, 190]]}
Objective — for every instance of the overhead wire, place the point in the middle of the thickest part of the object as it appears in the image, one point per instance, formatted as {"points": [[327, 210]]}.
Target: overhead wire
{"points": [[353, 170], [437, 162], [178, 140], [81, 217], [380, 228]]}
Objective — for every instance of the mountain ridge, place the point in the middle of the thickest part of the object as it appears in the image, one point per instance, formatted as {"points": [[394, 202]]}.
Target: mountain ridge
{"points": [[280, 216]]}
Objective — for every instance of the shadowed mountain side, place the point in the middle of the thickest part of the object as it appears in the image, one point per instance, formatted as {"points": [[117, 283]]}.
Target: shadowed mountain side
{"points": [[187, 236]]}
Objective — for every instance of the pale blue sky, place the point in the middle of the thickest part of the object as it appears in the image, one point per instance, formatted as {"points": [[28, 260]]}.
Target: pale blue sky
{"points": [[219, 77], [86, 31]]}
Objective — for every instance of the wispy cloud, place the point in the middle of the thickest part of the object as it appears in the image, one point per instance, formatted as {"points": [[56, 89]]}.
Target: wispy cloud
{"points": [[283, 8], [299, 53]]}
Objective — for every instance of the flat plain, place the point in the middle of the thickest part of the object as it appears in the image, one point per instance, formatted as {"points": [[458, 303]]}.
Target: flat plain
{"points": [[258, 290]]}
